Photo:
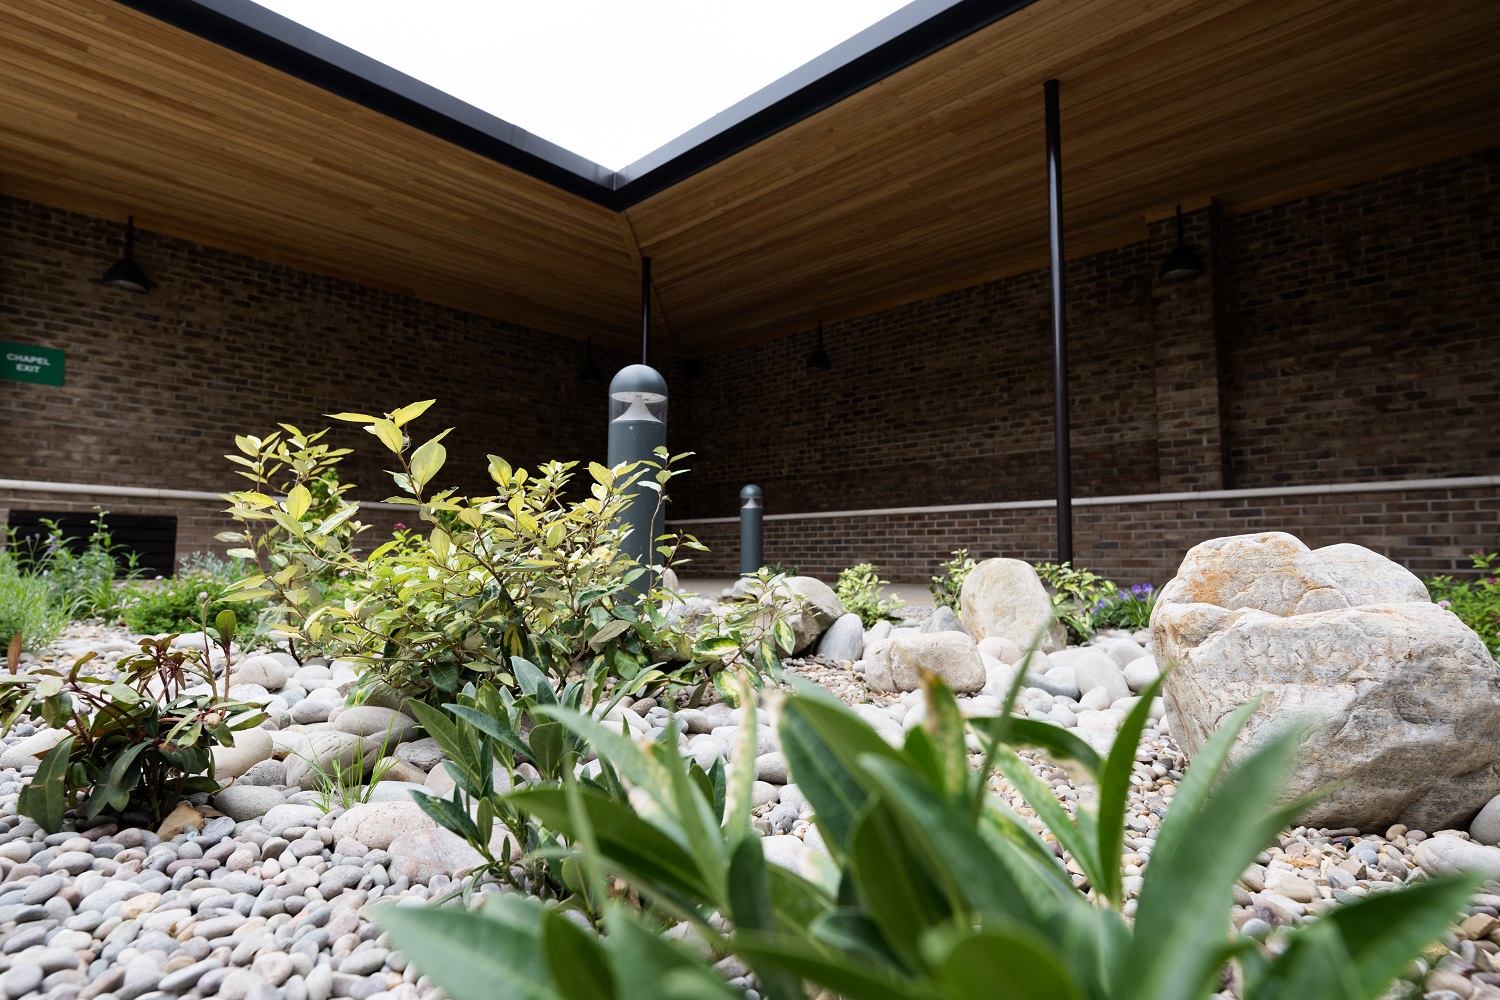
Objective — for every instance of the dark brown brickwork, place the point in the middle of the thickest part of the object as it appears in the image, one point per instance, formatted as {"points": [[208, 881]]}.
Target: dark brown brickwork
{"points": [[1346, 337], [1429, 531], [1363, 330], [158, 384]]}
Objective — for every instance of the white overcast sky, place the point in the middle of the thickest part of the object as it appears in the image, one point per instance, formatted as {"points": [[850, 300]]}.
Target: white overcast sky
{"points": [[611, 80]]}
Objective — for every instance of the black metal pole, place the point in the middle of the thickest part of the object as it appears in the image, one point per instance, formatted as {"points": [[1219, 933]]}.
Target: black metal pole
{"points": [[645, 309], [1059, 329]]}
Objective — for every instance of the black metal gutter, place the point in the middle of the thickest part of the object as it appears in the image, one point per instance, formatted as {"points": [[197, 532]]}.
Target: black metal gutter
{"points": [[905, 37]]}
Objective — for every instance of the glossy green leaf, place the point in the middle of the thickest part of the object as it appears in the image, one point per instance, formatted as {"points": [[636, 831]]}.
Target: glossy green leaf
{"points": [[1354, 951], [428, 460], [823, 742], [546, 745], [475, 956], [1182, 917], [892, 875], [576, 960], [45, 798], [631, 847], [851, 977], [1114, 788], [648, 967], [750, 907], [966, 863], [1005, 960]]}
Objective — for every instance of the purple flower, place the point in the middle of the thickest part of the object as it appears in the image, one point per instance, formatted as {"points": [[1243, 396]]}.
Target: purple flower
{"points": [[400, 526], [1445, 604]]}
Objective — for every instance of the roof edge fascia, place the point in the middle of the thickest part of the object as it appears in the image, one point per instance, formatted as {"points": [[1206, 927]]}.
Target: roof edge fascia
{"points": [[886, 47]]}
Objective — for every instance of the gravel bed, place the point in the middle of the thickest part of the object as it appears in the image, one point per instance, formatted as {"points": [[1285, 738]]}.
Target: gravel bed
{"points": [[276, 905]]}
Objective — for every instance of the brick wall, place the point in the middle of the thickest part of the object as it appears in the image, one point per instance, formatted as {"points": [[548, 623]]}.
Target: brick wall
{"points": [[1346, 337], [1342, 338], [1363, 330], [1427, 530], [158, 384]]}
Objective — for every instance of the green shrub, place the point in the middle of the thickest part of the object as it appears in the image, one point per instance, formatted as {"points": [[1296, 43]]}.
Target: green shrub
{"points": [[182, 603], [83, 578], [1129, 609], [935, 889], [522, 572], [138, 743], [1475, 601], [948, 585], [29, 607], [858, 588], [1076, 597]]}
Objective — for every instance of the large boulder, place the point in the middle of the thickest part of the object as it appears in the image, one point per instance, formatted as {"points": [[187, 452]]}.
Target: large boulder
{"points": [[1401, 699], [896, 664], [1005, 598], [329, 753]]}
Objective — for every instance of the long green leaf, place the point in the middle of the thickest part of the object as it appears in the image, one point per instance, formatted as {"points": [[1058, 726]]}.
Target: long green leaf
{"points": [[750, 906], [1181, 921], [441, 728], [1356, 950], [630, 760], [575, 958], [1193, 790], [823, 742], [902, 896], [475, 956], [1114, 787], [45, 798], [948, 838], [1006, 960], [631, 847], [488, 725], [1038, 795], [118, 780], [649, 967], [848, 976]]}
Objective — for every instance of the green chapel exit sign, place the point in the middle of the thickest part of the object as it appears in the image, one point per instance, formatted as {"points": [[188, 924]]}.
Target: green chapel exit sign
{"points": [[29, 363]]}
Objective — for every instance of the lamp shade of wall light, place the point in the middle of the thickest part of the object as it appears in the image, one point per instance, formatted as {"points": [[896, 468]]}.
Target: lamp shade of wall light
{"points": [[818, 360], [1182, 263], [126, 273]]}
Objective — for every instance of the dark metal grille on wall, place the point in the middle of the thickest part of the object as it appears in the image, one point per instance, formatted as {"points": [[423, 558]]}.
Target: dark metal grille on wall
{"points": [[152, 537]]}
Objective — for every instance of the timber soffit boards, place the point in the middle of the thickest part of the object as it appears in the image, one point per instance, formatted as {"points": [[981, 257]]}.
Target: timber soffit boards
{"points": [[928, 180], [905, 37]]}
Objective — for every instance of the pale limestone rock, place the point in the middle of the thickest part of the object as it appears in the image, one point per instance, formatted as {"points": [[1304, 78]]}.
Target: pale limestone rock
{"points": [[895, 664], [1368, 577], [1005, 598], [377, 824], [251, 746], [1401, 698], [266, 669], [327, 752]]}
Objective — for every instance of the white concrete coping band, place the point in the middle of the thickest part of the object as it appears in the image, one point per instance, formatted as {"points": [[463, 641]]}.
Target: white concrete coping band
{"points": [[143, 492], [1135, 499]]}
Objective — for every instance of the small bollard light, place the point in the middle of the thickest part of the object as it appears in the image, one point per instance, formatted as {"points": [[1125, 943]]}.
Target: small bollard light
{"points": [[751, 512], [637, 427]]}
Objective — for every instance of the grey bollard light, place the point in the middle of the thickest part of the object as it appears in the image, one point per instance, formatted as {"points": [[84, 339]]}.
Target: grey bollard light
{"points": [[637, 427], [752, 509]]}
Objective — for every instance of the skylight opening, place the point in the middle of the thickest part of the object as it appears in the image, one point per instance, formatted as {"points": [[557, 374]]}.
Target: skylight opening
{"points": [[610, 81]]}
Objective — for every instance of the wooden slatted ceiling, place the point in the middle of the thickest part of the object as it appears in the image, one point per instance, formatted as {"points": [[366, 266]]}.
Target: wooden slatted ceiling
{"points": [[933, 180], [112, 112], [928, 181]]}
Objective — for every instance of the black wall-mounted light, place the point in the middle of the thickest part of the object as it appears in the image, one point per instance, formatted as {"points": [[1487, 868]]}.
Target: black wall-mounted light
{"points": [[1182, 263], [818, 360], [126, 273], [590, 374]]}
